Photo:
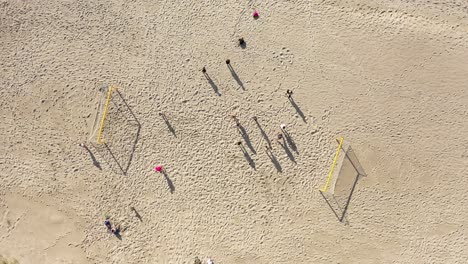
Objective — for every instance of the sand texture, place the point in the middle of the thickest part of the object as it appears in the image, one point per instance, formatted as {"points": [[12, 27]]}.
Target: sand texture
{"points": [[390, 76]]}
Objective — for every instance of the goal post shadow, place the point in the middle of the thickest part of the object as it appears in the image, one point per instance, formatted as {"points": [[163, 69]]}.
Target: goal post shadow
{"points": [[118, 134], [343, 181]]}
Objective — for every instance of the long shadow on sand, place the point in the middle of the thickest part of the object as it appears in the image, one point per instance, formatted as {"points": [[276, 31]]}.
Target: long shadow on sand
{"points": [[298, 110], [247, 157], [288, 152], [274, 160], [170, 184], [264, 135], [246, 137], [290, 141], [236, 77], [137, 214], [168, 124], [212, 84], [93, 158]]}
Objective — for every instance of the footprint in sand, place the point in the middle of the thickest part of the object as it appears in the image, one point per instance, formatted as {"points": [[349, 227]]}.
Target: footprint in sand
{"points": [[284, 56]]}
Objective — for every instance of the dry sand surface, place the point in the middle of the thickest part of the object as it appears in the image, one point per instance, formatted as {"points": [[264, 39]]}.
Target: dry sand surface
{"points": [[390, 76]]}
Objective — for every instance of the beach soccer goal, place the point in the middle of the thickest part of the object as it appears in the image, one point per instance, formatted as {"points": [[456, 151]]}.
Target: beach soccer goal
{"points": [[345, 167], [342, 179], [103, 98], [115, 129]]}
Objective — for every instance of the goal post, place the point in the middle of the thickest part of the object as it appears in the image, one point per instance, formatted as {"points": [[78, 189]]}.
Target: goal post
{"points": [[103, 99], [106, 106], [335, 160]]}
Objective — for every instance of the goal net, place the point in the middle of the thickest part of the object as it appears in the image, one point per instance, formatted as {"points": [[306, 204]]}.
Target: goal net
{"points": [[115, 129], [344, 171], [342, 179]]}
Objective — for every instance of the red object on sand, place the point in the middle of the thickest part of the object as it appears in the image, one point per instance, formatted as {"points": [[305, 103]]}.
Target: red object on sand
{"points": [[158, 168], [255, 14]]}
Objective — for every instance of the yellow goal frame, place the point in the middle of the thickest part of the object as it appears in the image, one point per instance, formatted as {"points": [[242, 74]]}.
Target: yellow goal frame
{"points": [[332, 169], [103, 120]]}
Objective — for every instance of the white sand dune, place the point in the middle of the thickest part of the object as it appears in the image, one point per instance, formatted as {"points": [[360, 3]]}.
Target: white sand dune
{"points": [[389, 76]]}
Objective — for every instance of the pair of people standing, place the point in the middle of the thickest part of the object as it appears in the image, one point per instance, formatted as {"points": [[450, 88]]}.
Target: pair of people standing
{"points": [[114, 230]]}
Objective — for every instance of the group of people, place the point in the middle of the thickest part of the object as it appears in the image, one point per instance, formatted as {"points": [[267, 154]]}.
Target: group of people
{"points": [[279, 136], [114, 230], [228, 61]]}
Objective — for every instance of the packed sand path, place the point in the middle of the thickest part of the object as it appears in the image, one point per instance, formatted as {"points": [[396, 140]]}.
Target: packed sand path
{"points": [[390, 76]]}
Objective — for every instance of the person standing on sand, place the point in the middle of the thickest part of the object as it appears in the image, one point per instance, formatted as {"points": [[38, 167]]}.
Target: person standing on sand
{"points": [[234, 117], [209, 261], [83, 146], [108, 225], [279, 137], [289, 93]]}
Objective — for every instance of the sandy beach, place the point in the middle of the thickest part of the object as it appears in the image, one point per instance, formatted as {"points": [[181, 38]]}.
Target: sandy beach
{"points": [[388, 76]]}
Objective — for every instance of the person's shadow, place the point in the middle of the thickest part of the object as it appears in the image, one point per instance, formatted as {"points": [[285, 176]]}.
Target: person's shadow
{"points": [[290, 141], [169, 182], [136, 214], [235, 76], [118, 235], [288, 152], [264, 135], [168, 124], [247, 157], [213, 85], [274, 160], [116, 231], [246, 137], [95, 161], [298, 110]]}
